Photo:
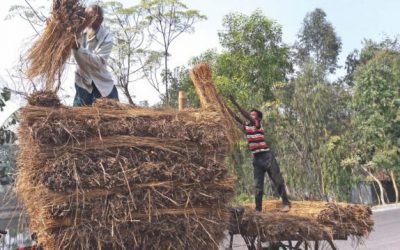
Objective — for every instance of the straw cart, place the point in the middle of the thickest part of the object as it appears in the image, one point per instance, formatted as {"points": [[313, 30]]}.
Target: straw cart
{"points": [[77, 163]]}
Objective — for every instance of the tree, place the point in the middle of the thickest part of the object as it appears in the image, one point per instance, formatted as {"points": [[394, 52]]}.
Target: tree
{"points": [[357, 59], [376, 106], [7, 139], [7, 163], [254, 57], [131, 57], [318, 41], [5, 95], [168, 20], [307, 127]]}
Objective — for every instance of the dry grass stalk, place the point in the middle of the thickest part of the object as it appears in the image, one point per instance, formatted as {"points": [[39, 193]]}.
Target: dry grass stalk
{"points": [[50, 52], [210, 100]]}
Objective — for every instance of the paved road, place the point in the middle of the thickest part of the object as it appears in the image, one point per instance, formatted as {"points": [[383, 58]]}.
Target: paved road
{"points": [[386, 234]]}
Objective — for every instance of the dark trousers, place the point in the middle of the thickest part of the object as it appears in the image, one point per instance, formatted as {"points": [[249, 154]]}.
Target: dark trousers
{"points": [[265, 162], [84, 98]]}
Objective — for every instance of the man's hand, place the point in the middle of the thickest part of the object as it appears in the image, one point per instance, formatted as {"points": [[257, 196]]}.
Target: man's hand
{"points": [[232, 98], [242, 111]]}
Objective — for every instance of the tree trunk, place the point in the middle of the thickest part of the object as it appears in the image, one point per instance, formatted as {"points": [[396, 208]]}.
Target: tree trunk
{"points": [[381, 190], [396, 190], [166, 78], [376, 193], [130, 100], [59, 75]]}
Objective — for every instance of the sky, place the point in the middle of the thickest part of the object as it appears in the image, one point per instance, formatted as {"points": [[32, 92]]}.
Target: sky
{"points": [[353, 20]]}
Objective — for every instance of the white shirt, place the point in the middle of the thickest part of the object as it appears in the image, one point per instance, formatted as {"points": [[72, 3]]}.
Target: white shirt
{"points": [[91, 59]]}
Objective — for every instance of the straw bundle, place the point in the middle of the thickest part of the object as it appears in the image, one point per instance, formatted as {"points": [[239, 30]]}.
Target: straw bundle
{"points": [[210, 100], [276, 227], [307, 220], [355, 220], [50, 52], [115, 177]]}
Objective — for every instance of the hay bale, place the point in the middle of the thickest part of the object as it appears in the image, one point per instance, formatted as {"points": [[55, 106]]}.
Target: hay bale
{"points": [[307, 220], [50, 52], [96, 177]]}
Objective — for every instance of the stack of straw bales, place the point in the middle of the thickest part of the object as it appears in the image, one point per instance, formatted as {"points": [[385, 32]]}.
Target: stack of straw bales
{"points": [[117, 177]]}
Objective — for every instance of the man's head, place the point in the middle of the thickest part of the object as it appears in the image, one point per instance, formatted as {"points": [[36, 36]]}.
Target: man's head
{"points": [[256, 114], [95, 15]]}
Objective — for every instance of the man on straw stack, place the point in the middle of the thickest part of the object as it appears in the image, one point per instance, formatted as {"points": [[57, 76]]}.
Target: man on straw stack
{"points": [[92, 77], [264, 160]]}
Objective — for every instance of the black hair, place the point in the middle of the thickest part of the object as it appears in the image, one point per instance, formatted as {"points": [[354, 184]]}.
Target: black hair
{"points": [[99, 10], [259, 113]]}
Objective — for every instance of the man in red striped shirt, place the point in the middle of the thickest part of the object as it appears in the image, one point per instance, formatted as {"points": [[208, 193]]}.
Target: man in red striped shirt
{"points": [[263, 159]]}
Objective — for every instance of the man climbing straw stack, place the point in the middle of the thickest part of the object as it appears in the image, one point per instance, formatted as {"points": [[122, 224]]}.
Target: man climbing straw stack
{"points": [[264, 160]]}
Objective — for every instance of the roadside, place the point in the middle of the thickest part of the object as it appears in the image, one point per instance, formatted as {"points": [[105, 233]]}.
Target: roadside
{"points": [[387, 207]]}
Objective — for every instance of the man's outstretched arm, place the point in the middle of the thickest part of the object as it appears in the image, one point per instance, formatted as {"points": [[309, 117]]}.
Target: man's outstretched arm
{"points": [[242, 110], [234, 116]]}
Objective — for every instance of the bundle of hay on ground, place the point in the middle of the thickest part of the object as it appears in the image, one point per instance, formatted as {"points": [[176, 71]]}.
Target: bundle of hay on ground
{"points": [[116, 177], [306, 221], [50, 52]]}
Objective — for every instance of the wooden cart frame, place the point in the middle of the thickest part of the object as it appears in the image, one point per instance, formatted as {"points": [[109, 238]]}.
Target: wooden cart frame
{"points": [[254, 243]]}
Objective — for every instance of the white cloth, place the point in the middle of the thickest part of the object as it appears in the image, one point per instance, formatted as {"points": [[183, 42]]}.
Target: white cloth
{"points": [[91, 59]]}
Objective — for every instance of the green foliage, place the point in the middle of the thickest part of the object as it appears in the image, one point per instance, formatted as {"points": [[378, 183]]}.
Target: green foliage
{"points": [[254, 57], [356, 59], [7, 164], [306, 118], [7, 148], [180, 80], [376, 110], [318, 42], [308, 121], [5, 95]]}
